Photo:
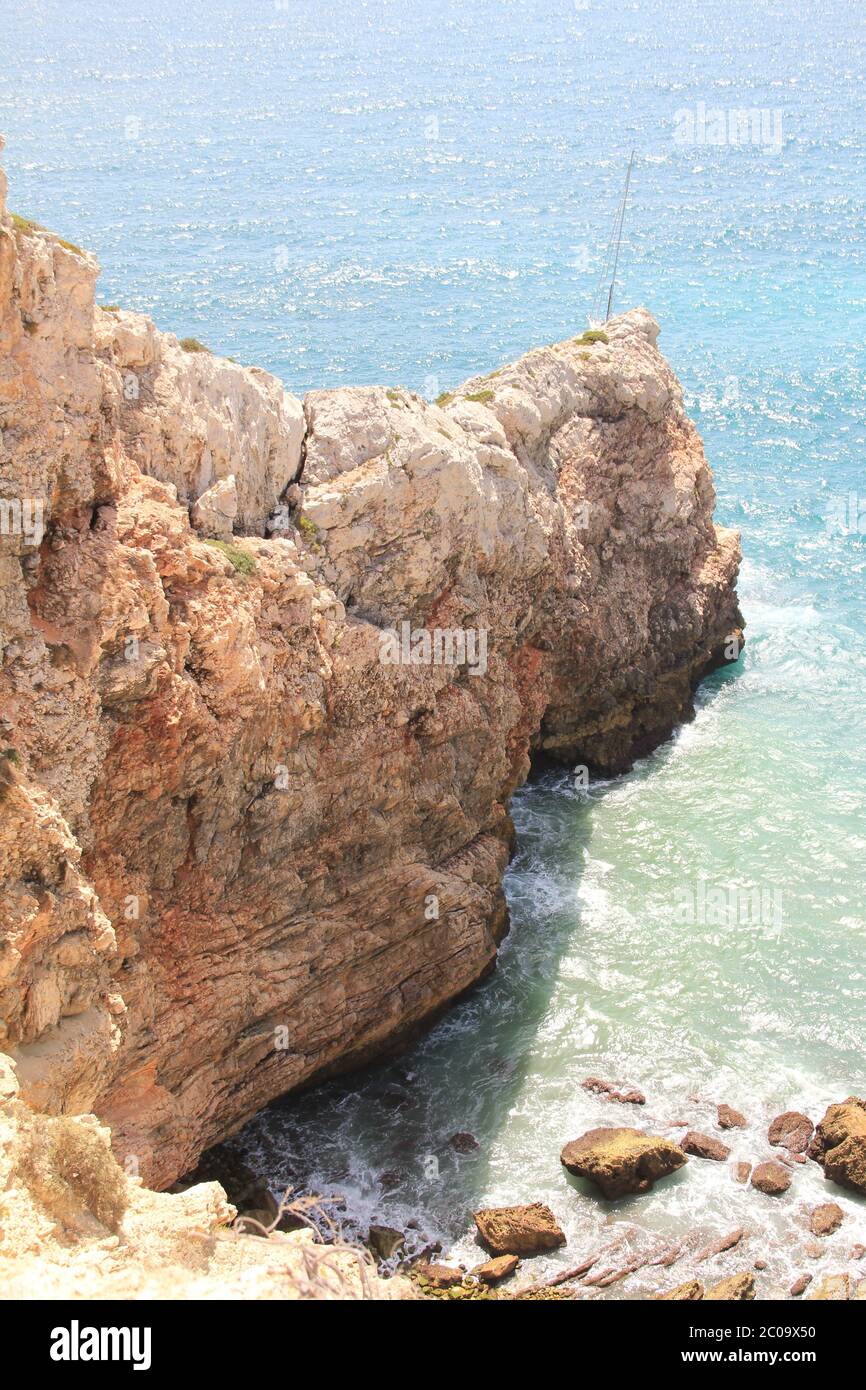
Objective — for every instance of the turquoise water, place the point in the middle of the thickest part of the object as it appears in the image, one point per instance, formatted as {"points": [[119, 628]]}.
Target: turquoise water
{"points": [[409, 193]]}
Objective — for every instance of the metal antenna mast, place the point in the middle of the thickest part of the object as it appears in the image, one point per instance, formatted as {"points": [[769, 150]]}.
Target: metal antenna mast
{"points": [[619, 236]]}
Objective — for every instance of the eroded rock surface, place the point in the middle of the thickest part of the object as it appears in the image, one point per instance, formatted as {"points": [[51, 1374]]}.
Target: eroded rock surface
{"points": [[621, 1161], [245, 842], [839, 1144], [523, 1230]]}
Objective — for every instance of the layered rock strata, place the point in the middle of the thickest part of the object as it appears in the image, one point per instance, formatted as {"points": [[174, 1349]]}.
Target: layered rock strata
{"points": [[270, 674]]}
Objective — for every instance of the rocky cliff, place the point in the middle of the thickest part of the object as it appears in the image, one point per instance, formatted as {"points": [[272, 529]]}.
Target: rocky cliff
{"points": [[271, 672]]}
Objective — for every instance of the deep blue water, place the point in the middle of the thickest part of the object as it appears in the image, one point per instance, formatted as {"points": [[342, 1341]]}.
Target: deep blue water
{"points": [[413, 192]]}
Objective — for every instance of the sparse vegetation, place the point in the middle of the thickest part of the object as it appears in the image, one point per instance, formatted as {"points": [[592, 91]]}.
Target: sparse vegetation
{"points": [[193, 345], [67, 1166], [110, 308], [446, 398], [395, 397], [26, 226], [593, 335], [482, 397], [308, 528], [244, 563]]}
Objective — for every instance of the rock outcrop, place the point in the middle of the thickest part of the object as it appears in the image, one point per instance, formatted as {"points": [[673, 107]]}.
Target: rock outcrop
{"points": [[271, 673], [839, 1144], [621, 1161], [74, 1225]]}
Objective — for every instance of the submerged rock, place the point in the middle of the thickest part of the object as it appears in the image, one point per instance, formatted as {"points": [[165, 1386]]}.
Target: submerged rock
{"points": [[523, 1230], [728, 1118], [704, 1146], [791, 1130], [621, 1161], [826, 1219], [772, 1177], [723, 1243], [626, 1095], [741, 1172], [464, 1143], [839, 1144]]}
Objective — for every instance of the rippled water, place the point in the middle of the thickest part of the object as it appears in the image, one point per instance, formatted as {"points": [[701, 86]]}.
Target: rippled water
{"points": [[413, 192]]}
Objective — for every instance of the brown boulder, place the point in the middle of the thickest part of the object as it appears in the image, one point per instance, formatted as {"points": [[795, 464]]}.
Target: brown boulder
{"points": [[800, 1285], [621, 1161], [728, 1118], [738, 1286], [627, 1095], [826, 1219], [791, 1131], [703, 1146], [519, 1230], [496, 1269], [840, 1144], [772, 1178], [442, 1276], [689, 1292], [741, 1172]]}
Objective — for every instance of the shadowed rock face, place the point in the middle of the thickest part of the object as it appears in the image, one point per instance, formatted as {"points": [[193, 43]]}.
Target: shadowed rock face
{"points": [[256, 828]]}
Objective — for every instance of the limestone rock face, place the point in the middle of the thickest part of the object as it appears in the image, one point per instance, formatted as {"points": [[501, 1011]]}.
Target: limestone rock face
{"points": [[73, 1225], [525, 1230], [839, 1144], [215, 512], [621, 1161], [256, 820]]}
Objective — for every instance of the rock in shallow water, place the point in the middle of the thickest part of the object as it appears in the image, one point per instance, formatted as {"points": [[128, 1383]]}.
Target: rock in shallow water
{"points": [[791, 1131], [523, 1230], [704, 1146], [773, 1178], [826, 1219], [839, 1144], [728, 1118], [621, 1161], [626, 1095], [493, 1271]]}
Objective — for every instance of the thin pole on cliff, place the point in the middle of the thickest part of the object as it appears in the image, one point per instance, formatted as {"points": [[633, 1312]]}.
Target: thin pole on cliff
{"points": [[619, 235]]}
